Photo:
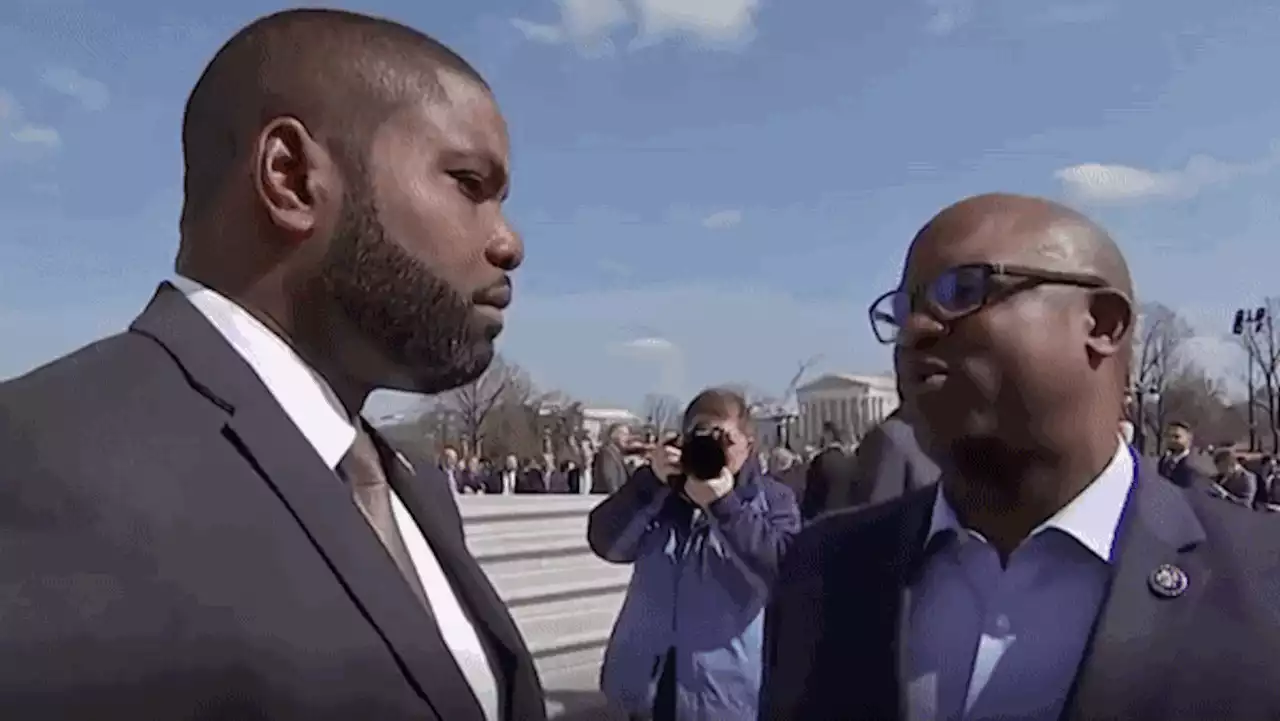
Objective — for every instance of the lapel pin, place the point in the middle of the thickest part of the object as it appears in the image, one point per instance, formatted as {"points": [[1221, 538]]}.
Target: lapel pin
{"points": [[1168, 581]]}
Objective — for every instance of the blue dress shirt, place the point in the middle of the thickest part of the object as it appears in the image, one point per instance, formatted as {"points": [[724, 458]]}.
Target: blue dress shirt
{"points": [[984, 642]]}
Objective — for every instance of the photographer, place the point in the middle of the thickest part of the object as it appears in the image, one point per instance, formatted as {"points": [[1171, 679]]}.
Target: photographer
{"points": [[705, 529]]}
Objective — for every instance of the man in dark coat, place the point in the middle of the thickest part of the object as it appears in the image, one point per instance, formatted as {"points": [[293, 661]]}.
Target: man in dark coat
{"points": [[609, 467], [829, 472], [1051, 574], [197, 523], [1177, 463], [889, 464]]}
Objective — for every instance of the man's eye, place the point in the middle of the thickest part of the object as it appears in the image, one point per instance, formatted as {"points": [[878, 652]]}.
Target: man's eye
{"points": [[472, 185]]}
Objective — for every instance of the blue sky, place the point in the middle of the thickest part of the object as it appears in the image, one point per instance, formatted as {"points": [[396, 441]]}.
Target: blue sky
{"points": [[710, 190]]}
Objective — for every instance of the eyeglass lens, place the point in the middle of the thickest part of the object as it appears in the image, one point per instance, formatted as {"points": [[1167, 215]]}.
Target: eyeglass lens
{"points": [[955, 292]]}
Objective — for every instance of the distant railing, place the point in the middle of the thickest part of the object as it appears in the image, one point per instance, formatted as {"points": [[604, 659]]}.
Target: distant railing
{"points": [[564, 599]]}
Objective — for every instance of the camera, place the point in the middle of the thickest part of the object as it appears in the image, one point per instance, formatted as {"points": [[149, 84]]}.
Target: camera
{"points": [[702, 452]]}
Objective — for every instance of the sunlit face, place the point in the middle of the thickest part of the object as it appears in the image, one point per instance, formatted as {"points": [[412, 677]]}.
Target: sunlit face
{"points": [[1177, 439], [621, 436], [420, 259], [995, 372]]}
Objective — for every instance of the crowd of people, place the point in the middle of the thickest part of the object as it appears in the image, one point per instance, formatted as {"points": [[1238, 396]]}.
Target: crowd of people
{"points": [[838, 474], [197, 523]]}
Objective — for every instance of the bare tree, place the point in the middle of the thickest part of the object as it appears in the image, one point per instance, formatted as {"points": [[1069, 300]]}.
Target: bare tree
{"points": [[474, 402], [1261, 344], [1158, 359], [1201, 401], [662, 412]]}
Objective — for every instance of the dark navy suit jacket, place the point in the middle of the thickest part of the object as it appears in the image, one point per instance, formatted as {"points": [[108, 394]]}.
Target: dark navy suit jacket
{"points": [[832, 630], [1183, 472], [171, 547]]}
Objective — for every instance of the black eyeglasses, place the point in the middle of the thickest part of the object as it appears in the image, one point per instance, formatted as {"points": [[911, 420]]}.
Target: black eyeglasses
{"points": [[961, 291]]}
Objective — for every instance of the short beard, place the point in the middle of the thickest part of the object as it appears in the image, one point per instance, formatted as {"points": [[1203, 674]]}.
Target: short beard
{"points": [[991, 470], [419, 324]]}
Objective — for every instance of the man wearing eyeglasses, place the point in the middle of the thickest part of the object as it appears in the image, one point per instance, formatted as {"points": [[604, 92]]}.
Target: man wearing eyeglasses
{"points": [[1051, 574]]}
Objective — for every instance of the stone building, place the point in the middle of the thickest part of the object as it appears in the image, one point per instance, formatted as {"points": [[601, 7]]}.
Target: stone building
{"points": [[854, 403]]}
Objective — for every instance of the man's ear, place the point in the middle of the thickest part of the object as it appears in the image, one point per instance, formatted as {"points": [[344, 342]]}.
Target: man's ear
{"points": [[293, 175], [1112, 317]]}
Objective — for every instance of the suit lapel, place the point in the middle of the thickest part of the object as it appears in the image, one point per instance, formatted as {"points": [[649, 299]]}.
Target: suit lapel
{"points": [[260, 430], [1124, 671], [423, 495], [884, 604]]}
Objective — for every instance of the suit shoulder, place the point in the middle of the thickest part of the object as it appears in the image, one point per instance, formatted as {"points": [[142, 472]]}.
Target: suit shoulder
{"points": [[99, 365], [111, 396], [1225, 520], [896, 430], [1243, 546], [848, 535]]}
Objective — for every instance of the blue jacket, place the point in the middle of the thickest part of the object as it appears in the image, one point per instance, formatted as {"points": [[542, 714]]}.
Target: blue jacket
{"points": [[700, 585]]}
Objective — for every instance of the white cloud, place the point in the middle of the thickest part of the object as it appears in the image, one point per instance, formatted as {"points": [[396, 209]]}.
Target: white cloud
{"points": [[22, 132], [90, 93], [718, 22], [946, 16], [587, 24], [665, 361], [649, 344], [1102, 183], [42, 135], [590, 25], [722, 219]]}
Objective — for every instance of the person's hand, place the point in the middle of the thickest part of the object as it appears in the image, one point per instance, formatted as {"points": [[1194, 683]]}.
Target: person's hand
{"points": [[704, 493], [665, 462]]}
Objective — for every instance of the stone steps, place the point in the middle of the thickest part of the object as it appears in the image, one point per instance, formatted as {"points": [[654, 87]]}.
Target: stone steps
{"points": [[563, 599]]}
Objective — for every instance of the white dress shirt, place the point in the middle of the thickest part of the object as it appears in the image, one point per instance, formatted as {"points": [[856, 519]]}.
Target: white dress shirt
{"points": [[986, 641], [314, 408]]}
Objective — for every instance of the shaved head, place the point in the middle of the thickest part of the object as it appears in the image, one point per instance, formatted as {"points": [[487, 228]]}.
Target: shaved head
{"points": [[1034, 229], [344, 183], [1016, 320], [340, 74]]}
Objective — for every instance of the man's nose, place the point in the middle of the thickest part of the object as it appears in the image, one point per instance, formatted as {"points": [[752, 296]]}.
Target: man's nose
{"points": [[506, 249], [920, 329]]}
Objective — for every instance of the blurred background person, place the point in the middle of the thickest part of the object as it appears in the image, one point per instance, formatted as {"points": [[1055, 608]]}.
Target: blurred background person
{"points": [[1177, 463], [509, 477], [449, 468], [532, 478], [829, 470], [785, 465], [1268, 469], [472, 477], [608, 467], [1232, 480]]}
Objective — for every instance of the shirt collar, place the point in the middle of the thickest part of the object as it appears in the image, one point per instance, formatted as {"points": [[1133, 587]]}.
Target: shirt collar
{"points": [[1091, 518], [306, 398]]}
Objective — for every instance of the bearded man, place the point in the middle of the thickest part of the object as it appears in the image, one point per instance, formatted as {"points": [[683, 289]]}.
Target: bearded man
{"points": [[197, 523]]}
